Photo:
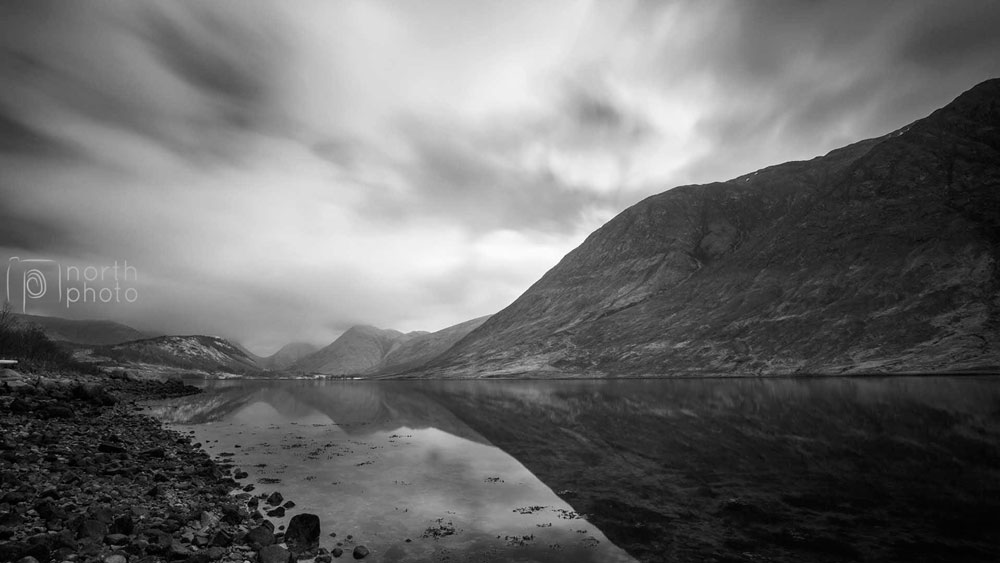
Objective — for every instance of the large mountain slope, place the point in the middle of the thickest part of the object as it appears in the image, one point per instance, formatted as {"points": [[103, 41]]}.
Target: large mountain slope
{"points": [[878, 257]]}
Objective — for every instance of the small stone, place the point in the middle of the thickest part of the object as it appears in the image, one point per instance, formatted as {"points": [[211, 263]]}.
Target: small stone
{"points": [[276, 513], [260, 537], [123, 525], [51, 492], [274, 554], [323, 559], [91, 529], [275, 499], [207, 520], [336, 552], [116, 558], [360, 552], [231, 514], [102, 514], [178, 551], [116, 539], [222, 538], [59, 411], [110, 448], [19, 405]]}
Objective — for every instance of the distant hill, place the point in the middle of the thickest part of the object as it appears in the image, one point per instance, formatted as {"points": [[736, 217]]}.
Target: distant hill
{"points": [[357, 351], [880, 257], [424, 347], [287, 355], [367, 350], [87, 332], [208, 354]]}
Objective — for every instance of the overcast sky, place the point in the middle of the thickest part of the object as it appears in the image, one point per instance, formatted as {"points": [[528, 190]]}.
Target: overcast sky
{"points": [[280, 171]]}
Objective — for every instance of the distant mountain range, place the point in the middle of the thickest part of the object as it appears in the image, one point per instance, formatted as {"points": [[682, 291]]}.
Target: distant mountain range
{"points": [[357, 351], [879, 257], [362, 350], [366, 350]]}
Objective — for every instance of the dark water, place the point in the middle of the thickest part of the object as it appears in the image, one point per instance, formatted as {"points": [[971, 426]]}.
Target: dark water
{"points": [[832, 469]]}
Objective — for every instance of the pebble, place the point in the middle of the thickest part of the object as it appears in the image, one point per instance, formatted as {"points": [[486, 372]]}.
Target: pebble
{"points": [[274, 554]]}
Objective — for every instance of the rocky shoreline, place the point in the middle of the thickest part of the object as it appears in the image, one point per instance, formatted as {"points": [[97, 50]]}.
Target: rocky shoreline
{"points": [[86, 477]]}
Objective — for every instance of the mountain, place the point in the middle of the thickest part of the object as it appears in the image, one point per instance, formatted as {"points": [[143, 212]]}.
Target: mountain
{"points": [[879, 257], [208, 354], [287, 355], [366, 350], [423, 347], [87, 332], [358, 350], [257, 360]]}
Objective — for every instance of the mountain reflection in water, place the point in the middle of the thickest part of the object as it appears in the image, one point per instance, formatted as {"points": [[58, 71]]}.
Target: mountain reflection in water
{"points": [[386, 464], [831, 469]]}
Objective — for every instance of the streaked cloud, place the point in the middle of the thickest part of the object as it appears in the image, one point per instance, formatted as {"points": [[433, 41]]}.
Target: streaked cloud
{"points": [[282, 171]]}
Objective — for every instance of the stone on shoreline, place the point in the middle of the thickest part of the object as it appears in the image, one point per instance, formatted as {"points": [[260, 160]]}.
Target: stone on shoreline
{"points": [[260, 537], [303, 533], [274, 554], [87, 478], [275, 499]]}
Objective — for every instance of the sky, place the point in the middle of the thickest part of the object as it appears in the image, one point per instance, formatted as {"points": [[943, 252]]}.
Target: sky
{"points": [[280, 171]]}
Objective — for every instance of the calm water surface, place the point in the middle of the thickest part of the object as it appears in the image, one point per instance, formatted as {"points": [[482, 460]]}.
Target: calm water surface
{"points": [[833, 469]]}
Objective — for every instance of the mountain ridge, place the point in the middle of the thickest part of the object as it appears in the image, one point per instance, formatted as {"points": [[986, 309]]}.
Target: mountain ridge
{"points": [[287, 355], [83, 331], [732, 277], [374, 352], [196, 353]]}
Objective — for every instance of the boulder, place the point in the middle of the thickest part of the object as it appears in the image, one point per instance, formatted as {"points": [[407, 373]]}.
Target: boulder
{"points": [[275, 499], [303, 533]]}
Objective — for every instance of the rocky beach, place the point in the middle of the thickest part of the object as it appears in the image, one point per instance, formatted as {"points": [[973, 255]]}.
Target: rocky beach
{"points": [[87, 477]]}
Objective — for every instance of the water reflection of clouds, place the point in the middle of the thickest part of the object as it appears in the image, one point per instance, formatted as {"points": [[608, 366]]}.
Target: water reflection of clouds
{"points": [[408, 465]]}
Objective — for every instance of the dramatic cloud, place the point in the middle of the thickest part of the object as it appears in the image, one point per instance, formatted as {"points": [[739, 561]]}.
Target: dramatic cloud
{"points": [[279, 172]]}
